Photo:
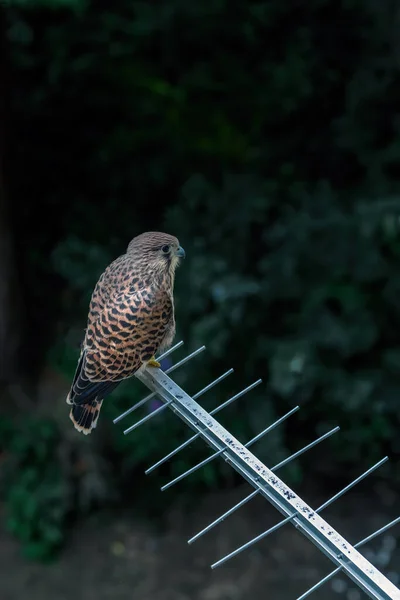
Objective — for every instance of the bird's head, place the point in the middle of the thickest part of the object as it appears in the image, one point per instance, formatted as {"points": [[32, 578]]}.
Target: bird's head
{"points": [[160, 252]]}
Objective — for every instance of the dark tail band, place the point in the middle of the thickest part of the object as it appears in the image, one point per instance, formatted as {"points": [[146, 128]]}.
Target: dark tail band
{"points": [[85, 416]]}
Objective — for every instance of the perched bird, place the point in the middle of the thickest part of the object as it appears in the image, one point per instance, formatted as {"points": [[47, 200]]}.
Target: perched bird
{"points": [[131, 317]]}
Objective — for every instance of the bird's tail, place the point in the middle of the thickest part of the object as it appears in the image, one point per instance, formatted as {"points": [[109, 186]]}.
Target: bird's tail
{"points": [[85, 416]]}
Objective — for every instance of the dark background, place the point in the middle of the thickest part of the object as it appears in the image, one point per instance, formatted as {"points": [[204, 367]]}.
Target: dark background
{"points": [[265, 135]]}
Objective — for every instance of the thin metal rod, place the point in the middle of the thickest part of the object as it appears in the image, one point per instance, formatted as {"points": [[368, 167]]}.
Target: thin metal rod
{"points": [[213, 383], [353, 483], [169, 402], [281, 523], [222, 450], [197, 435], [308, 447], [169, 351], [358, 545], [255, 492], [170, 370], [224, 516]]}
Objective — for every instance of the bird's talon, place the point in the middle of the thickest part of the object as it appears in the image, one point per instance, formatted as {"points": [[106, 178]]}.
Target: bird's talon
{"points": [[153, 363]]}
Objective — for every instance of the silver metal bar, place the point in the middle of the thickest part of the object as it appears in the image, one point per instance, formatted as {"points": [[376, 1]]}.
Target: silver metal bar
{"points": [[253, 494], [170, 370], [167, 404], [358, 545], [333, 498], [197, 435], [263, 535], [222, 450], [310, 524]]}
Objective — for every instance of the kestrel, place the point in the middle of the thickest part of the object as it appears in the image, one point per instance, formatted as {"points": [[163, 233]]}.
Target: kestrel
{"points": [[131, 317]]}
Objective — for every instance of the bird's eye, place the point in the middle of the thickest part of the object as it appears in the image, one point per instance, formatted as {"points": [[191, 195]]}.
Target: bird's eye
{"points": [[165, 249]]}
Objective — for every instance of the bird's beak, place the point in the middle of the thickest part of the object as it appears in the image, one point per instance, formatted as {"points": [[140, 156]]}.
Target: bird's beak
{"points": [[180, 252]]}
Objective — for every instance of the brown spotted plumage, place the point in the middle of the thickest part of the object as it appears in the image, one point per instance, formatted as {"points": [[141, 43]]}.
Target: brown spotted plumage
{"points": [[131, 318]]}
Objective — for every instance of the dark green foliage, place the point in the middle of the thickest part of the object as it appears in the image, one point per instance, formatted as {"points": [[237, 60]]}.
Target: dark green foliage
{"points": [[313, 290], [264, 135], [36, 491]]}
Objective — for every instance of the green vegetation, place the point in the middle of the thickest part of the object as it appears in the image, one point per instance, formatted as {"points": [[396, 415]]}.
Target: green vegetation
{"points": [[266, 136]]}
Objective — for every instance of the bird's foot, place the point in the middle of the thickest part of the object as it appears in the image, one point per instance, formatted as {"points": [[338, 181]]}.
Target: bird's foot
{"points": [[153, 363]]}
